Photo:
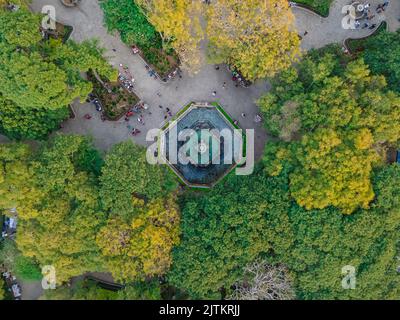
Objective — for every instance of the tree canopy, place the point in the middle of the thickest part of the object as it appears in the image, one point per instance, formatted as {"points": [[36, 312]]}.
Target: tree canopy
{"points": [[222, 232], [55, 196], [334, 129], [126, 173], [140, 245], [39, 79], [256, 37], [2, 291], [382, 54], [22, 267], [179, 24], [57, 192], [322, 242]]}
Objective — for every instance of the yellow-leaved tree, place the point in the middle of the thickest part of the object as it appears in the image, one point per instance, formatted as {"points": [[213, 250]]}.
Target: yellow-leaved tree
{"points": [[178, 22], [257, 37], [140, 246], [16, 191]]}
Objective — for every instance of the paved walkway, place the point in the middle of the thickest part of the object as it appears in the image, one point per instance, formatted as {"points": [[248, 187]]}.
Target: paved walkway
{"points": [[87, 20], [323, 31], [31, 290]]}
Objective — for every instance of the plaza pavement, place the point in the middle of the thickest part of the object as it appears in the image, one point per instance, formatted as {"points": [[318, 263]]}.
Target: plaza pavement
{"points": [[87, 20], [323, 31]]}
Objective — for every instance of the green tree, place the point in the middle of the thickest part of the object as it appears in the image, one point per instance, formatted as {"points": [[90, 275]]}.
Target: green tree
{"points": [[222, 232], [2, 291], [19, 29], [256, 37], [145, 290], [38, 79], [16, 175], [22, 267], [59, 228], [336, 127], [20, 123], [126, 173], [317, 244], [128, 18], [382, 54], [84, 289]]}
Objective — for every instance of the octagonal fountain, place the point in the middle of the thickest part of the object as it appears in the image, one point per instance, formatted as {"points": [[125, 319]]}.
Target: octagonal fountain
{"points": [[201, 145]]}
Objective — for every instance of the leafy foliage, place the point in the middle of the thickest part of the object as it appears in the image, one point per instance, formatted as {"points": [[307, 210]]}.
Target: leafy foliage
{"points": [[19, 123], [16, 191], [85, 289], [38, 79], [22, 267], [126, 172], [256, 37], [382, 54], [336, 128], [59, 219], [322, 242], [222, 232], [147, 290], [179, 24], [27, 269], [127, 17], [321, 6], [2, 291], [140, 246]]}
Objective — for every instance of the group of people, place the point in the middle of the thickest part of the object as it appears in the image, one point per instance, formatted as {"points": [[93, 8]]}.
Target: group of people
{"points": [[125, 78], [167, 113], [151, 72], [257, 119], [382, 7], [136, 110], [367, 16], [12, 284]]}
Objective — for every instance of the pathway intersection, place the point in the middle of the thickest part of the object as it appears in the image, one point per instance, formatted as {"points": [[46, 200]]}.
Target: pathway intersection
{"points": [[87, 20]]}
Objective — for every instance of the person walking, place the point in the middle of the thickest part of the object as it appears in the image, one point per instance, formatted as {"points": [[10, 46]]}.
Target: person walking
{"points": [[366, 25], [385, 4], [257, 118]]}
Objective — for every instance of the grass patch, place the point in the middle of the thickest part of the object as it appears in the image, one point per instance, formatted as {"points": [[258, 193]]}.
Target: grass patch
{"points": [[319, 6], [359, 45]]}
